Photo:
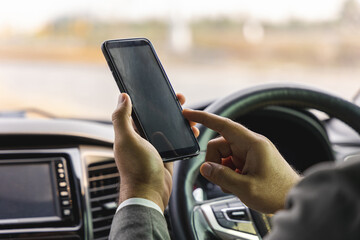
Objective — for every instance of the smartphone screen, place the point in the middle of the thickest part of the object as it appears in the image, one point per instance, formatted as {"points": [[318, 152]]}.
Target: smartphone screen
{"points": [[158, 113]]}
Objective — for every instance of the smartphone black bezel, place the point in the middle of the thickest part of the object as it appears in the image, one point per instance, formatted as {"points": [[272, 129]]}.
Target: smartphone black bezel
{"points": [[176, 154]]}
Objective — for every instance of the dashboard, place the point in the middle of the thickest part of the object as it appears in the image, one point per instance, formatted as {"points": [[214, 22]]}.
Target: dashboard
{"points": [[58, 177]]}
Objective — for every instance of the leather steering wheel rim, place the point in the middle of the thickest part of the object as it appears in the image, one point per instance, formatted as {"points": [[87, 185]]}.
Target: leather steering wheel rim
{"points": [[185, 172]]}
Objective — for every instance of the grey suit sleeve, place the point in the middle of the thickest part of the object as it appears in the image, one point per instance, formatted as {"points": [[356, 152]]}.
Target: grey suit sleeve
{"points": [[138, 222], [324, 205]]}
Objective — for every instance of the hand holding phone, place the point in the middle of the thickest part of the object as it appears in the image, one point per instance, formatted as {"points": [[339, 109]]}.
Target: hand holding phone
{"points": [[157, 112]]}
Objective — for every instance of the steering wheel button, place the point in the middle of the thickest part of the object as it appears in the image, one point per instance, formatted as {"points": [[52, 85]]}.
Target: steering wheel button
{"points": [[218, 207], [237, 215], [219, 215], [234, 214], [226, 224], [235, 204]]}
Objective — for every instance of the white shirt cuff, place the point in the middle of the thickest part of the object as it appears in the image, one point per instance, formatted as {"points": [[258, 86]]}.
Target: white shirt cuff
{"points": [[139, 201]]}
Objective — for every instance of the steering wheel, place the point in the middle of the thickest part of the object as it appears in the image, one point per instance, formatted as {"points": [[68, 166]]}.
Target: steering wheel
{"points": [[228, 217]]}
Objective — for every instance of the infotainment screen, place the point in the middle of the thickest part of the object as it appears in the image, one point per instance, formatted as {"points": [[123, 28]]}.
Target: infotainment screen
{"points": [[28, 192]]}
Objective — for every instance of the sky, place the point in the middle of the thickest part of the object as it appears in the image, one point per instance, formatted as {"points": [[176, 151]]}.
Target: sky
{"points": [[24, 15]]}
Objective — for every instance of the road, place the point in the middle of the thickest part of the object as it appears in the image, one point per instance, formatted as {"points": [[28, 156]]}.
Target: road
{"points": [[88, 90]]}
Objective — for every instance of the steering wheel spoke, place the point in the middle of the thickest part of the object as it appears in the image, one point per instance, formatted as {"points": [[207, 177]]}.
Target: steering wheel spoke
{"points": [[229, 218]]}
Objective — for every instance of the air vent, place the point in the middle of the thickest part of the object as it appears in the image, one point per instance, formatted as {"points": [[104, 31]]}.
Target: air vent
{"points": [[104, 184]]}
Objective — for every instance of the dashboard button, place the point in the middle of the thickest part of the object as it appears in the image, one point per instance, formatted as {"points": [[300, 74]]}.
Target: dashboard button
{"points": [[61, 175], [67, 212], [60, 170], [60, 165], [62, 184], [64, 194], [65, 203]]}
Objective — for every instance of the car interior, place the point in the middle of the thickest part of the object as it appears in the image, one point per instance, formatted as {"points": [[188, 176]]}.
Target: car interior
{"points": [[291, 76]]}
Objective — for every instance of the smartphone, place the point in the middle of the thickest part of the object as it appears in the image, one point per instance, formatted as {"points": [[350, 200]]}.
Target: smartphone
{"points": [[156, 111]]}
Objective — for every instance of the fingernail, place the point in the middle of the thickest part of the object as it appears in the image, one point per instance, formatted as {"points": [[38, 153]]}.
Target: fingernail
{"points": [[122, 98], [206, 169], [120, 101]]}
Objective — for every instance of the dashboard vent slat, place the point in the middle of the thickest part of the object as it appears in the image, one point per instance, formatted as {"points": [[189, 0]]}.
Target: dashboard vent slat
{"points": [[101, 167], [101, 229], [103, 198], [102, 238], [112, 187], [103, 180], [104, 177], [103, 218]]}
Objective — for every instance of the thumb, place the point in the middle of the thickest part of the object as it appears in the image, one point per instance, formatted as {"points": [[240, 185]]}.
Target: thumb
{"points": [[121, 117], [224, 176]]}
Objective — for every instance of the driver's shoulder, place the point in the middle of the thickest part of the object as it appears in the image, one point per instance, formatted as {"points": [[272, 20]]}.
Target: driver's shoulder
{"points": [[345, 174], [323, 205]]}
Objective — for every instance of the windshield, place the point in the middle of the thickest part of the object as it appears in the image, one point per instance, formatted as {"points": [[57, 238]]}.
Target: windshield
{"points": [[50, 57]]}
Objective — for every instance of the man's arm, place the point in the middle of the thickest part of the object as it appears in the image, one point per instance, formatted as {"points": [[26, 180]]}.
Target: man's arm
{"points": [[241, 162], [146, 181], [142, 171], [324, 205], [245, 164], [138, 222]]}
